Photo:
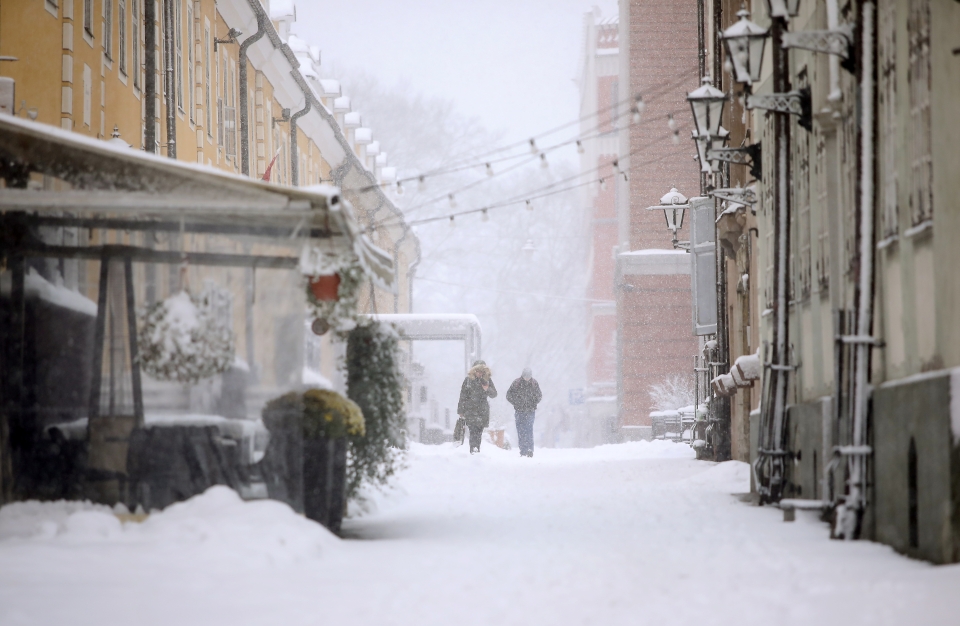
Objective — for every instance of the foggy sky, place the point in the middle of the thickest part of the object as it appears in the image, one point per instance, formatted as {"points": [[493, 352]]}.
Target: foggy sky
{"points": [[511, 63]]}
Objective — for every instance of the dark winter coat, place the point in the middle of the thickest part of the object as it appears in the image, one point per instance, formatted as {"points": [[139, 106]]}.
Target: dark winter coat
{"points": [[524, 395], [473, 405]]}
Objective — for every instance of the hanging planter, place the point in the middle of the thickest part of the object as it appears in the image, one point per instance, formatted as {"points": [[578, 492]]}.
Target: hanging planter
{"points": [[183, 339], [333, 280], [325, 288]]}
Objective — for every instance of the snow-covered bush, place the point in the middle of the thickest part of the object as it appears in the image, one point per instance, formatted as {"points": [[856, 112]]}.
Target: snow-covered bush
{"points": [[672, 393], [183, 339], [375, 383]]}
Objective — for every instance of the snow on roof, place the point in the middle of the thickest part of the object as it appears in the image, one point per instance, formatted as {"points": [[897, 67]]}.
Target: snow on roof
{"points": [[351, 119], [37, 285], [374, 148], [341, 104], [331, 87], [382, 159], [298, 45], [363, 135], [388, 174], [283, 9]]}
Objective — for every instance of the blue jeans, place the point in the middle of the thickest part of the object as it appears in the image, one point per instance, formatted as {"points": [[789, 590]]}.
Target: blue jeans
{"points": [[524, 420]]}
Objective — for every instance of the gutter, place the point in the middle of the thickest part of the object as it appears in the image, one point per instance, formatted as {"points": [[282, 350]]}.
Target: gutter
{"points": [[244, 100], [294, 148]]}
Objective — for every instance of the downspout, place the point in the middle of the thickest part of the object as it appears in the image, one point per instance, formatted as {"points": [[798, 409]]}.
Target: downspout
{"points": [[832, 22], [244, 100], [171, 79], [857, 457], [150, 77], [294, 148]]}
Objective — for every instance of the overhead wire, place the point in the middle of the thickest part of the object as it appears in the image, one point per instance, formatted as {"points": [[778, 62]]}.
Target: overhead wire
{"points": [[480, 161]]}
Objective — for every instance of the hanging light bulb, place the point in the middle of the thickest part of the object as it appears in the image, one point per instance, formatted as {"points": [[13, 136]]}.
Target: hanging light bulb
{"points": [[399, 188], [529, 205], [484, 216], [625, 179], [676, 137], [543, 160], [727, 66], [636, 115], [533, 146], [453, 202], [422, 184], [489, 170], [672, 123], [638, 103], [452, 222], [579, 147], [603, 184], [616, 164]]}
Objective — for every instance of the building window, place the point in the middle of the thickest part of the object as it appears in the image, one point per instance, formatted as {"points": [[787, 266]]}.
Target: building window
{"points": [[108, 28], [191, 70], [88, 16], [135, 37], [122, 34], [918, 78], [207, 100], [178, 35]]}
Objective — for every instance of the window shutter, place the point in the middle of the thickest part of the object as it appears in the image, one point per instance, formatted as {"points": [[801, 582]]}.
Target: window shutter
{"points": [[703, 249]]}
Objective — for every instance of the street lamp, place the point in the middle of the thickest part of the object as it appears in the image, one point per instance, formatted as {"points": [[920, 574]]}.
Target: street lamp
{"points": [[673, 204], [707, 146], [783, 8], [745, 41], [707, 102]]}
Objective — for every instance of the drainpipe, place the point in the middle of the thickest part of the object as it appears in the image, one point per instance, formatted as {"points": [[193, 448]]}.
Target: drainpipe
{"points": [[150, 77], [294, 149], [244, 104], [171, 79], [834, 61], [853, 508]]}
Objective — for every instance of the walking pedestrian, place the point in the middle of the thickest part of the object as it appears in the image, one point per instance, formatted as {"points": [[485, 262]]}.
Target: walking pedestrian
{"points": [[524, 394], [474, 407]]}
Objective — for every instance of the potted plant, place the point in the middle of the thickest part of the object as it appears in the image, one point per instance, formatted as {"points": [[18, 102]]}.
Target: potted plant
{"points": [[306, 460]]}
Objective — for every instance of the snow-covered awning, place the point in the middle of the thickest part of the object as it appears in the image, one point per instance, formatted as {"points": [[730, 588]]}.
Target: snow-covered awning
{"points": [[111, 185], [438, 327]]}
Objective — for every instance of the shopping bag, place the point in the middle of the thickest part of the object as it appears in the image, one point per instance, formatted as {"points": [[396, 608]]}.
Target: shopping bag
{"points": [[459, 431]]}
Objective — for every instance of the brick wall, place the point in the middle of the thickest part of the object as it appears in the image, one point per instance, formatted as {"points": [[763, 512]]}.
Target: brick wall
{"points": [[654, 311]]}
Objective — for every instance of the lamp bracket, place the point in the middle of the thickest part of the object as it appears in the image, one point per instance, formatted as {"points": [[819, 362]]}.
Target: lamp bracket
{"points": [[747, 155], [739, 195], [796, 102], [838, 41]]}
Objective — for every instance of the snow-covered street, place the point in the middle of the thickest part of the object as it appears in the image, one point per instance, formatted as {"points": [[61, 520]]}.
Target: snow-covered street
{"points": [[634, 533]]}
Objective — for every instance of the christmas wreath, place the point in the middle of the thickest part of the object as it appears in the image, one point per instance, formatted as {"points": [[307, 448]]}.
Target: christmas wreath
{"points": [[183, 339]]}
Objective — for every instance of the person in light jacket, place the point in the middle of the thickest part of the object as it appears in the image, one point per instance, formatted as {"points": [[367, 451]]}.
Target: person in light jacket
{"points": [[474, 406], [524, 394]]}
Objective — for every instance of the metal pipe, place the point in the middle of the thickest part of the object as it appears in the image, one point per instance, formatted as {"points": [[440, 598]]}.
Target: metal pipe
{"points": [[150, 77], [853, 511], [833, 60], [294, 148], [171, 78], [244, 100]]}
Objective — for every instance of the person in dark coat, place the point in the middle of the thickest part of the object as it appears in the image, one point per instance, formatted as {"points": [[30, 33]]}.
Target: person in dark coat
{"points": [[474, 407], [524, 394]]}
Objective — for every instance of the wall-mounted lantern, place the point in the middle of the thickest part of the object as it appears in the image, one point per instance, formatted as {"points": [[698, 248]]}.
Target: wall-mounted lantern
{"points": [[783, 8], [673, 204], [745, 41]]}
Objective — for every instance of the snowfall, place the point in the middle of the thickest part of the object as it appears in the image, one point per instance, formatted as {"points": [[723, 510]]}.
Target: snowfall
{"points": [[636, 533]]}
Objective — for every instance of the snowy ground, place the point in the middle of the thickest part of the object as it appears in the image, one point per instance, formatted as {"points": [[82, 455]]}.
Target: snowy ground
{"points": [[631, 534]]}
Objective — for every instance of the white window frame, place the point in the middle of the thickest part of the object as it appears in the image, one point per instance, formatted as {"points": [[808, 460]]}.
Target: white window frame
{"points": [[122, 35], [108, 28]]}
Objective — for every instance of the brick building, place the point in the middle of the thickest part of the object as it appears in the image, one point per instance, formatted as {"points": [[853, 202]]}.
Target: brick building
{"points": [[658, 61]]}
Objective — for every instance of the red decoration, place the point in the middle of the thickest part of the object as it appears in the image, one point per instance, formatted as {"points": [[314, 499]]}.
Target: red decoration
{"points": [[325, 288]]}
